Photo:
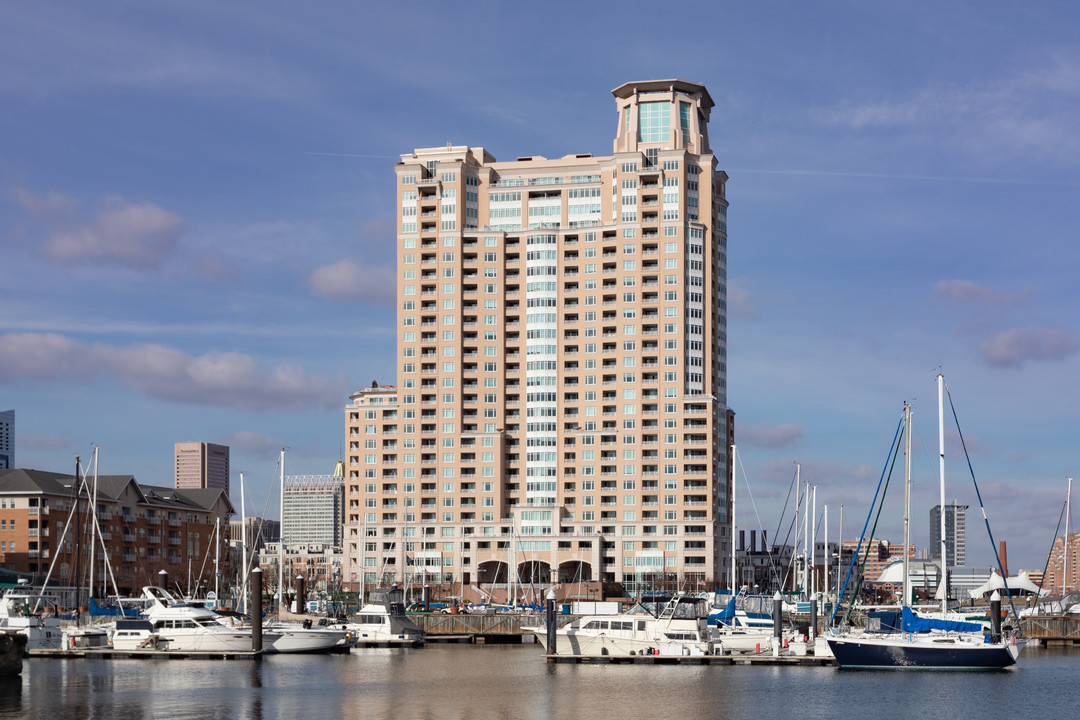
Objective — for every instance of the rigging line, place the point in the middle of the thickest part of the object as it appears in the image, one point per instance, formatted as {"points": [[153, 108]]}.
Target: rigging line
{"points": [[851, 567], [873, 530], [787, 500], [757, 515], [787, 568], [982, 507], [1047, 565]]}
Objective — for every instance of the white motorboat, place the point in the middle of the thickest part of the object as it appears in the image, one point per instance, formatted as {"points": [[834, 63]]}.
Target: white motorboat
{"points": [[679, 629], [382, 621], [307, 638], [177, 626], [20, 612]]}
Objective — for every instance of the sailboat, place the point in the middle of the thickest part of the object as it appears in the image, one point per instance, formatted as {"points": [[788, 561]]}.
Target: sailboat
{"points": [[931, 643]]}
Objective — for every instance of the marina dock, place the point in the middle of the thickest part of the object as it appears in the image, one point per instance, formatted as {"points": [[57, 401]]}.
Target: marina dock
{"points": [[762, 659]]}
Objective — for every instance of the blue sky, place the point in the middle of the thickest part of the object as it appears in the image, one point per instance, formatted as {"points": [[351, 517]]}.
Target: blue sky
{"points": [[197, 223]]}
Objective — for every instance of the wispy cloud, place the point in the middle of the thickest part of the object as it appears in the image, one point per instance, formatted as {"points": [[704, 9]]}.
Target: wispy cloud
{"points": [[1031, 110], [740, 304], [1018, 346], [44, 443], [769, 436], [350, 279], [252, 443], [132, 234], [959, 291], [223, 379]]}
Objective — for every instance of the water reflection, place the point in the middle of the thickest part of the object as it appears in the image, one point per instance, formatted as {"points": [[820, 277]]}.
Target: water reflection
{"points": [[512, 682]]}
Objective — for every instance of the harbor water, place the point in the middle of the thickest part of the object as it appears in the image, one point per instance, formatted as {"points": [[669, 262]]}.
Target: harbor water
{"points": [[515, 681]]}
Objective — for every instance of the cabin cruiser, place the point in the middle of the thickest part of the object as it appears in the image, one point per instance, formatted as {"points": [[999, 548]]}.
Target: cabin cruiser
{"points": [[680, 628], [20, 612], [179, 626], [307, 638], [382, 621]]}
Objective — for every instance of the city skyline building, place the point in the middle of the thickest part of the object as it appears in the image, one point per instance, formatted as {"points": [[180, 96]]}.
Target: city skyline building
{"points": [[7, 440], [955, 534], [201, 465], [560, 405], [313, 509]]}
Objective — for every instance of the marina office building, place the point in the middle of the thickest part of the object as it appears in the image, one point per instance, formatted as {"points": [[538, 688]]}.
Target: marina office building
{"points": [[560, 405]]}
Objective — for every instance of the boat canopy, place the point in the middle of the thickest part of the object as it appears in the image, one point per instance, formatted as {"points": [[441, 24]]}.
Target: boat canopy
{"points": [[919, 624]]}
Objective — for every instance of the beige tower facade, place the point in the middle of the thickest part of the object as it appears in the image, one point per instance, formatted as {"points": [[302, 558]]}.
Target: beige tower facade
{"points": [[560, 410], [201, 465]]}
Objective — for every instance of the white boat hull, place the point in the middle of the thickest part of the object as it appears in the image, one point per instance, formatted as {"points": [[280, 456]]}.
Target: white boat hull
{"points": [[304, 640]]}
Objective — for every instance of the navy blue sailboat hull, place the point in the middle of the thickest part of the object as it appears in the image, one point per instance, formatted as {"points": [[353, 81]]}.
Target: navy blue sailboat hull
{"points": [[922, 653]]}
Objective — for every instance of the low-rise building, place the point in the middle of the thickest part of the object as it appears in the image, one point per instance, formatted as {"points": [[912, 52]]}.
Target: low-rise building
{"points": [[139, 531]]}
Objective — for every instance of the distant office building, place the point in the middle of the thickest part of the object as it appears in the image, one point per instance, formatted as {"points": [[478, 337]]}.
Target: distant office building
{"points": [[874, 556], [955, 534], [202, 465], [313, 509], [7, 439], [259, 532]]}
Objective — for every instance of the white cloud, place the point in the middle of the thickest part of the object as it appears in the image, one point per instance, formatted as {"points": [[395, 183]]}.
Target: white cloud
{"points": [[219, 379], [1015, 347], [133, 234], [348, 279]]}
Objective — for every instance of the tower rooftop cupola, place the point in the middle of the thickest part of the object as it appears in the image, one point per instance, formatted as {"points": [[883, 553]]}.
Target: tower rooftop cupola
{"points": [[663, 114]]}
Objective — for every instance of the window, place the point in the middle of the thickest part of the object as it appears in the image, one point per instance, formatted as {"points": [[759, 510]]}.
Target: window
{"points": [[654, 122]]}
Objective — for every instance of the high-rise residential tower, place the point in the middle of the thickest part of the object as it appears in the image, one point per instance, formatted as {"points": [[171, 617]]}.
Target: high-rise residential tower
{"points": [[560, 405], [7, 439], [202, 465], [955, 534]]}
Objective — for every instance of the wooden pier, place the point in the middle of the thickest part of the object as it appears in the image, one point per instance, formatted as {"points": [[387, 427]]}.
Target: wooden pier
{"points": [[477, 628], [1052, 630]]}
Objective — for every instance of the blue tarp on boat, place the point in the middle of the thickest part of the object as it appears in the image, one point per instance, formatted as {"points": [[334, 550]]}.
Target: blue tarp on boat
{"points": [[725, 616], [110, 609], [916, 623]]}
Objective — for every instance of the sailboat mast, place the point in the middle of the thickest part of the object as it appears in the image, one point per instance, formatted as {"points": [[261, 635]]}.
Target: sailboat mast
{"points": [[733, 587], [281, 535], [941, 472], [217, 559], [804, 586], [1065, 545], [93, 524], [243, 549], [362, 552], [795, 540], [811, 559], [907, 504], [75, 538], [825, 573]]}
